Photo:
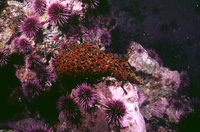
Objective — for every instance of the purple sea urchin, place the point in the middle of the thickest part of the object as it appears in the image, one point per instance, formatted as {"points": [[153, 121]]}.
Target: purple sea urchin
{"points": [[105, 38], [115, 110], [39, 6], [86, 96], [92, 3], [58, 14], [176, 110], [24, 46], [31, 26], [39, 128], [31, 89], [21, 128], [177, 105], [3, 58], [33, 61], [152, 53], [67, 105], [185, 80], [159, 60], [194, 103], [44, 75], [74, 33]]}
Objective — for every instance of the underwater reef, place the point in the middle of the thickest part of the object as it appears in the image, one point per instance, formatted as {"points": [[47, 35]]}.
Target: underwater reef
{"points": [[57, 73]]}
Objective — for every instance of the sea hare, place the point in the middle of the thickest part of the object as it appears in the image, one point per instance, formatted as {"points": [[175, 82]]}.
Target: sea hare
{"points": [[84, 61]]}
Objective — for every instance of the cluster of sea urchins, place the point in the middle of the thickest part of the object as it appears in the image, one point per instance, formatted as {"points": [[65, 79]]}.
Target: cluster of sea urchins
{"points": [[86, 98], [58, 14]]}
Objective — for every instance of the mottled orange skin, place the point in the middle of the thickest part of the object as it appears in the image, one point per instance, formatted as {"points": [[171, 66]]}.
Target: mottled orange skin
{"points": [[88, 61]]}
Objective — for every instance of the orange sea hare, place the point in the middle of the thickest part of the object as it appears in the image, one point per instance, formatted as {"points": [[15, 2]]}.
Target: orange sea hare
{"points": [[84, 61]]}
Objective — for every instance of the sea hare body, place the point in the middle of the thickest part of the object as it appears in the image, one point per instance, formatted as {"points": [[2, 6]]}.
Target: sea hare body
{"points": [[83, 61]]}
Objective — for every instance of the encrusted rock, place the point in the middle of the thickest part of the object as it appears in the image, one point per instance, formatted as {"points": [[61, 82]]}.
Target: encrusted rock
{"points": [[128, 94]]}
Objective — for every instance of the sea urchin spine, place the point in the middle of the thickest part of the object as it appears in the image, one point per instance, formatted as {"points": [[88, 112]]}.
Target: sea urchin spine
{"points": [[58, 14], [115, 111], [39, 128], [34, 62], [106, 38], [3, 58], [31, 26], [185, 80], [45, 75], [86, 96], [23, 45], [39, 6], [32, 89], [177, 105], [67, 105]]}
